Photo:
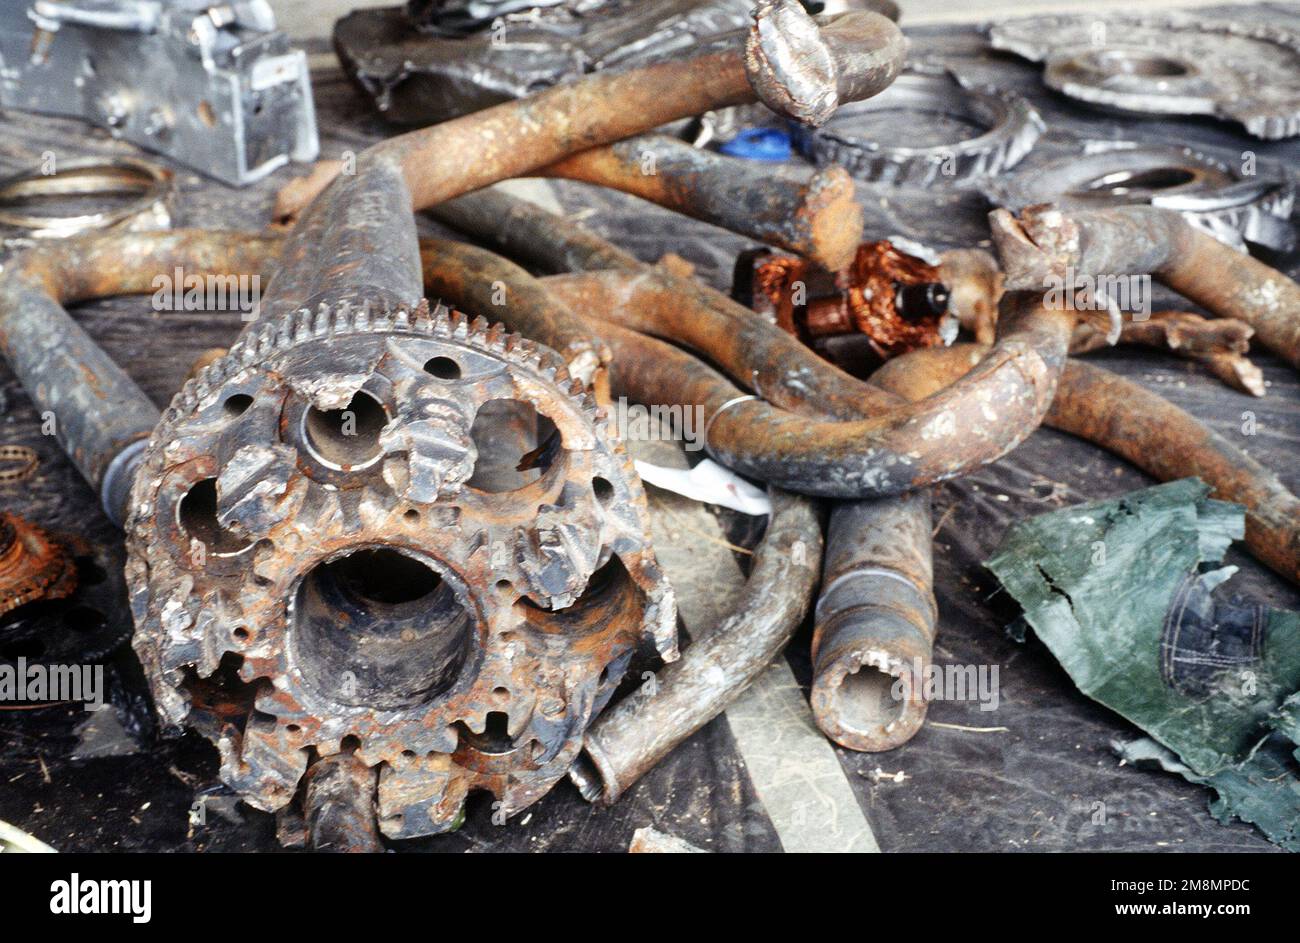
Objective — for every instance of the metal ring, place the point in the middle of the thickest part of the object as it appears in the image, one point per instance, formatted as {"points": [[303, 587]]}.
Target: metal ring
{"points": [[91, 176], [723, 408], [28, 458], [1010, 126]]}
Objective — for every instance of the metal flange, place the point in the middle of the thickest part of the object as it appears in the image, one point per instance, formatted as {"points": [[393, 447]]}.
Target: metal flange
{"points": [[1168, 65], [1212, 194], [969, 132]]}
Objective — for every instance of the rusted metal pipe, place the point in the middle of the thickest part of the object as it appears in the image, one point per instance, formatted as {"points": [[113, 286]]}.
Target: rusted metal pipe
{"points": [[873, 618], [101, 418], [1046, 245], [338, 805], [636, 733], [528, 233], [875, 623], [346, 241], [975, 421], [811, 212], [484, 284], [876, 616], [1155, 435]]}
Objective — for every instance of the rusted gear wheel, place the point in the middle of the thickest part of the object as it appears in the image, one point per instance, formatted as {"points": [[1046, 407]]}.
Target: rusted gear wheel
{"points": [[331, 549], [32, 565]]}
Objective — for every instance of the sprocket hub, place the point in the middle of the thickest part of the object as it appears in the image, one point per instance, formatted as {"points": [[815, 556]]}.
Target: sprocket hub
{"points": [[393, 532]]}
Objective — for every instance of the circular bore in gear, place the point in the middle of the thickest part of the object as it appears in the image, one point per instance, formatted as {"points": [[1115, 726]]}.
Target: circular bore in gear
{"points": [[347, 536]]}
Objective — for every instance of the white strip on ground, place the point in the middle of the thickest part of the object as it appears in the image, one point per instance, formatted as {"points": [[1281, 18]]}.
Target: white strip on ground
{"points": [[791, 764]]}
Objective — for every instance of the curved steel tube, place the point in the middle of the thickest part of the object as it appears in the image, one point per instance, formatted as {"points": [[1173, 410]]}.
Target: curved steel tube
{"points": [[101, 418], [637, 732], [975, 421], [1045, 244]]}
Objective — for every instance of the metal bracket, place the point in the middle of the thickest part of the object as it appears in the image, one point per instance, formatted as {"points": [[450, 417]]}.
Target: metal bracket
{"points": [[210, 85]]}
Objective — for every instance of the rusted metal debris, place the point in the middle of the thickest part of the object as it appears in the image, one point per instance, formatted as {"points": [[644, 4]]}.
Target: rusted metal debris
{"points": [[851, 56], [256, 526], [883, 617], [651, 841], [33, 565], [1155, 435], [1045, 245], [1220, 343], [893, 299], [640, 730], [810, 212], [259, 500]]}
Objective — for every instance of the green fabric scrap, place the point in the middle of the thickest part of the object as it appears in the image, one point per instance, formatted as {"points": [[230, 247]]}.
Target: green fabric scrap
{"points": [[1117, 592]]}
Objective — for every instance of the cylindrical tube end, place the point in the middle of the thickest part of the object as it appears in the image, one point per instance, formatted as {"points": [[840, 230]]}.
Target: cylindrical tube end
{"points": [[869, 668]]}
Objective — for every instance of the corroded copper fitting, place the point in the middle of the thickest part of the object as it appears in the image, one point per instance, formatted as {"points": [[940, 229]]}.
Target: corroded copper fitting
{"points": [[1047, 245], [811, 212], [1155, 435]]}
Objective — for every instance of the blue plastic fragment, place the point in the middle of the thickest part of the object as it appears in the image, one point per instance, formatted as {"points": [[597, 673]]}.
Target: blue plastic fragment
{"points": [[765, 144]]}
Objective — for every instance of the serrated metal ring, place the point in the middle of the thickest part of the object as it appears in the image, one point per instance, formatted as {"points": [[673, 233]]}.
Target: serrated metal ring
{"points": [[991, 130]]}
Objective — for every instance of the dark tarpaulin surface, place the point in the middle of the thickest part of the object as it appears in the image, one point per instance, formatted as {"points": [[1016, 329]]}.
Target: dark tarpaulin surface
{"points": [[1033, 785]]}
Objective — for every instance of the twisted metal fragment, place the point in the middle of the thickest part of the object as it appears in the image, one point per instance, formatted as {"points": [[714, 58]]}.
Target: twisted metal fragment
{"points": [[1220, 344]]}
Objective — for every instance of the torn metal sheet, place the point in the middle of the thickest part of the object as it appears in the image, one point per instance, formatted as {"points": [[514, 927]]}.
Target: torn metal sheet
{"points": [[1122, 593], [420, 72], [1117, 592], [1263, 791]]}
